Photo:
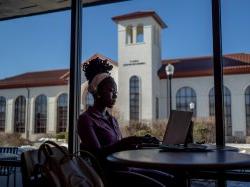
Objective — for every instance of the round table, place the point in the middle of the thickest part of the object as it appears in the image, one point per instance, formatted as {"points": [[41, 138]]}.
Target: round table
{"points": [[188, 161]]}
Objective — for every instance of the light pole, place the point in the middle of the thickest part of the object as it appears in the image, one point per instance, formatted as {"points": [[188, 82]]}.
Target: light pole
{"points": [[170, 72], [191, 106]]}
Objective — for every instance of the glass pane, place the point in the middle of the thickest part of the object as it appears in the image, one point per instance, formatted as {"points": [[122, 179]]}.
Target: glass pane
{"points": [[156, 38], [235, 45], [35, 52]]}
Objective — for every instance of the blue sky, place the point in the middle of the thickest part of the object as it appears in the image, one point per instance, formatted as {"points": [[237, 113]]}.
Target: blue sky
{"points": [[42, 42]]}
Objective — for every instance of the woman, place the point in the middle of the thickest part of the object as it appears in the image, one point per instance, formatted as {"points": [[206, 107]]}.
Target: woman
{"points": [[98, 130]]}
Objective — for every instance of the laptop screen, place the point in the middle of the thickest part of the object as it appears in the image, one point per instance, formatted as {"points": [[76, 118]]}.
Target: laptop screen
{"points": [[177, 127]]}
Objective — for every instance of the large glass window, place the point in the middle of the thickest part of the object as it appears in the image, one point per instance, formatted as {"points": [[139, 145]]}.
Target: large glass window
{"points": [[157, 108], [247, 104], [2, 113], [134, 94], [227, 109], [20, 112], [184, 97], [41, 114], [62, 112], [139, 34]]}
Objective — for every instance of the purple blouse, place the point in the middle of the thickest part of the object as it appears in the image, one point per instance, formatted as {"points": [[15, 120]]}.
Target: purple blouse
{"points": [[96, 131]]}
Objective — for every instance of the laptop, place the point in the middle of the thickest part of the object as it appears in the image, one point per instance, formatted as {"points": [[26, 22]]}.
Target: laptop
{"points": [[178, 134], [178, 131], [177, 128]]}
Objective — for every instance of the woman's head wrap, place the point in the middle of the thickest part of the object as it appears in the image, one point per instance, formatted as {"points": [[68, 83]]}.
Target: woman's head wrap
{"points": [[96, 81]]}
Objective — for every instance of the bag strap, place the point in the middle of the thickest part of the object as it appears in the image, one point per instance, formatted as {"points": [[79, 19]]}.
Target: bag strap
{"points": [[47, 150]]}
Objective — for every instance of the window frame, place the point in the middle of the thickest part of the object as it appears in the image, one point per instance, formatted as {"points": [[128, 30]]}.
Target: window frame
{"points": [[2, 113], [41, 105]]}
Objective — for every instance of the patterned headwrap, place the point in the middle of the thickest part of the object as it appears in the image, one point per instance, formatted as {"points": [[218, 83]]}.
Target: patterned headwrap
{"points": [[96, 81]]}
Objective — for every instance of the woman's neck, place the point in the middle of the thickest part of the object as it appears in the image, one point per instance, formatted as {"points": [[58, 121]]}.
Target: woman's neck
{"points": [[99, 108]]}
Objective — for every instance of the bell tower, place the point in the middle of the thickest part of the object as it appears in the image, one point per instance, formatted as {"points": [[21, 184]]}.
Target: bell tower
{"points": [[139, 58]]}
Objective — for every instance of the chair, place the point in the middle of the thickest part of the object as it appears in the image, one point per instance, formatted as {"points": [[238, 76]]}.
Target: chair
{"points": [[114, 177], [9, 170], [129, 178], [30, 175], [28, 162]]}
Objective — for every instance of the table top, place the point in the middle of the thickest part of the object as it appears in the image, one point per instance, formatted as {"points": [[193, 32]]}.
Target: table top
{"points": [[154, 158]]}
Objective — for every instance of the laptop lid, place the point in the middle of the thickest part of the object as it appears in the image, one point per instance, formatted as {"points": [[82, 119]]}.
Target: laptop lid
{"points": [[177, 127]]}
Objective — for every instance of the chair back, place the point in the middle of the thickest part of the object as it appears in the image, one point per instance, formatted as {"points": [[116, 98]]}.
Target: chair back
{"points": [[12, 150]]}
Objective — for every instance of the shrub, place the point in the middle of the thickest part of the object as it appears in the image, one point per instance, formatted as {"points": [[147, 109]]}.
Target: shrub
{"points": [[204, 130], [137, 128], [159, 128], [13, 139], [141, 128], [62, 135]]}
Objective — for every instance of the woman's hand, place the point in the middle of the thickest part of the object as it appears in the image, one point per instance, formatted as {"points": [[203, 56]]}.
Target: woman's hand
{"points": [[132, 140], [148, 139]]}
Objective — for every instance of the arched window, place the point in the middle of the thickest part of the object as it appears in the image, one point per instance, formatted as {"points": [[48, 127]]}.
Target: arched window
{"points": [[129, 35], [89, 100], [2, 113], [62, 113], [247, 103], [41, 114], [20, 112], [139, 34], [184, 97], [227, 109], [134, 94], [157, 108]]}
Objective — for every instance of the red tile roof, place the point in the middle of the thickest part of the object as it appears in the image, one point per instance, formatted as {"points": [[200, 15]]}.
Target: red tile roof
{"points": [[35, 79], [238, 63], [141, 14], [43, 78]]}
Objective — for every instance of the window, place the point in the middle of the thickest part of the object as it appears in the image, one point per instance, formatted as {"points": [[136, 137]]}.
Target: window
{"points": [[227, 109], [157, 108], [2, 113], [184, 97], [139, 34], [247, 103], [134, 98], [89, 100], [41, 114], [62, 112], [20, 112], [129, 35]]}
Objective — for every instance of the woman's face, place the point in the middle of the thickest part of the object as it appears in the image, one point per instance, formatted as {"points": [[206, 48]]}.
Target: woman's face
{"points": [[107, 91]]}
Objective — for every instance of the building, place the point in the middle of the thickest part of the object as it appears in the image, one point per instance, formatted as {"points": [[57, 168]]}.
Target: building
{"points": [[36, 103]]}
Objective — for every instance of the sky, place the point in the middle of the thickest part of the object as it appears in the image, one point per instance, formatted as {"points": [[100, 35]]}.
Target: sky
{"points": [[42, 42]]}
